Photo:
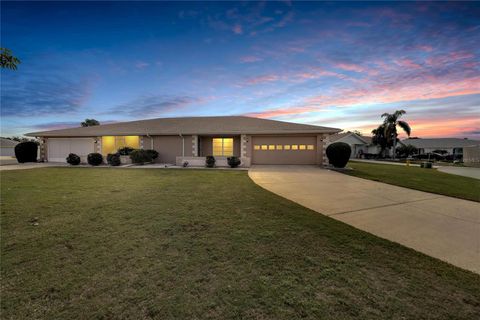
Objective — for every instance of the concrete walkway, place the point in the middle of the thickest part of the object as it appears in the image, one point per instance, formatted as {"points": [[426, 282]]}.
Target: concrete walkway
{"points": [[442, 227], [462, 171], [31, 165]]}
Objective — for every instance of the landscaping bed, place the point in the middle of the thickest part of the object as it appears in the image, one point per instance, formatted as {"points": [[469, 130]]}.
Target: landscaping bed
{"points": [[198, 244]]}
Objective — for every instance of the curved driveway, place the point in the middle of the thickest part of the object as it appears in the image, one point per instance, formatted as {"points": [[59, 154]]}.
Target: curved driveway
{"points": [[442, 227]]}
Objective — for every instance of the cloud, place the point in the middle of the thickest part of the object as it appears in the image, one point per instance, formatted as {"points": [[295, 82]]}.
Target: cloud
{"points": [[141, 64], [262, 79], [155, 105], [274, 113], [54, 125], [43, 94], [237, 29], [250, 59]]}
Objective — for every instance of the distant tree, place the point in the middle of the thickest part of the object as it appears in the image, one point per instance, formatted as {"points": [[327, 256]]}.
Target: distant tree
{"points": [[90, 123], [22, 139], [358, 133], [406, 150], [7, 60], [386, 134], [391, 120]]}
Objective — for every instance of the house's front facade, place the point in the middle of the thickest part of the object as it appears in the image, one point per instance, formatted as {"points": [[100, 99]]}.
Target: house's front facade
{"points": [[253, 140], [452, 146]]}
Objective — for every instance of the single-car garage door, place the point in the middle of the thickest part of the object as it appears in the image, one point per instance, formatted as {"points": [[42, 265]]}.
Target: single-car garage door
{"points": [[59, 148], [284, 150]]}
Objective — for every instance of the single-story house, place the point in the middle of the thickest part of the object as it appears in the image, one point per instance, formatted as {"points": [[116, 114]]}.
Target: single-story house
{"points": [[359, 144], [453, 146], [7, 147], [253, 140]]}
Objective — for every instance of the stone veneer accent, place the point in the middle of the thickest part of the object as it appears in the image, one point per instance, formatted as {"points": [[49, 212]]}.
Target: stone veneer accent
{"points": [[195, 146], [42, 149], [98, 143], [141, 142], [243, 145], [324, 150]]}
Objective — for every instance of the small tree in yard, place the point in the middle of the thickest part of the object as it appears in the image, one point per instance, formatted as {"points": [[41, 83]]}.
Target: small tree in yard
{"points": [[94, 159], [26, 152], [338, 154]]}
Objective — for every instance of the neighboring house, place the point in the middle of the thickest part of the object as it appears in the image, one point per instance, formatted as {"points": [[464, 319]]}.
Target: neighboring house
{"points": [[453, 146], [360, 145], [255, 141], [7, 147]]}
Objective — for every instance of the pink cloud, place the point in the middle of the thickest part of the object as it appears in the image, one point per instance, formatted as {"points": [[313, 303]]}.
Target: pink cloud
{"points": [[350, 67], [408, 63], [250, 59], [272, 113], [141, 64], [425, 48], [237, 29], [262, 79]]}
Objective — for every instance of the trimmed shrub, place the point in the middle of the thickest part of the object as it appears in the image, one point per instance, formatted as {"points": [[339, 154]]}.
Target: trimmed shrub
{"points": [[233, 162], [338, 154], [153, 153], [113, 159], [140, 156], [95, 159], [26, 152], [125, 151], [210, 161], [73, 159]]}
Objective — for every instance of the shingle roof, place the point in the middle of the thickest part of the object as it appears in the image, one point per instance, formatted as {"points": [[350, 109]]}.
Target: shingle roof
{"points": [[440, 143], [7, 143], [189, 125], [339, 136]]}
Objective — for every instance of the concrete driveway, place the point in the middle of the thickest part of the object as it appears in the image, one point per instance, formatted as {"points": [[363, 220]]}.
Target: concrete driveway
{"points": [[442, 227]]}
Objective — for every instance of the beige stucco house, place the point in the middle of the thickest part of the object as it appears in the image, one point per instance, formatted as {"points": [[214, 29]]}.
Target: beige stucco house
{"points": [[253, 140]]}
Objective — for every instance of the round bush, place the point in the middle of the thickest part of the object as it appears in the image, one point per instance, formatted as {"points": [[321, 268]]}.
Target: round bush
{"points": [[26, 152], [338, 154], [140, 156], [210, 161], [233, 162], [73, 159], [153, 153], [95, 159], [113, 159], [125, 151]]}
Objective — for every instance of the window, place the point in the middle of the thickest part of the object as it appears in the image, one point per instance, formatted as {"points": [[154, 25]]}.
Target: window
{"points": [[256, 147], [222, 147], [110, 144], [286, 147], [303, 147], [271, 147], [264, 147], [294, 146], [279, 147], [310, 147]]}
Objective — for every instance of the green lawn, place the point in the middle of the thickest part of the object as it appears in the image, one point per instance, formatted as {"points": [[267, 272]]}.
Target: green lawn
{"points": [[429, 180], [200, 244]]}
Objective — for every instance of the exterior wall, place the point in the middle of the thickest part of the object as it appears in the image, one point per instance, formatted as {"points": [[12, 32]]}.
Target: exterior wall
{"points": [[206, 145], [471, 156], [169, 147], [7, 151], [355, 145]]}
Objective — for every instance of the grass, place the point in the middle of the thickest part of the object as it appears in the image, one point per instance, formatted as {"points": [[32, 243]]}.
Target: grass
{"points": [[429, 180], [201, 244]]}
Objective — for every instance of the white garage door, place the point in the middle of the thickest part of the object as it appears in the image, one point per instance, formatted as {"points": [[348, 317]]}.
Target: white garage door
{"points": [[59, 148]]}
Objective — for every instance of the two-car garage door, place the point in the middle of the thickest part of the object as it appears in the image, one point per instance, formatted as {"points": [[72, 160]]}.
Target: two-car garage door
{"points": [[284, 150], [59, 148]]}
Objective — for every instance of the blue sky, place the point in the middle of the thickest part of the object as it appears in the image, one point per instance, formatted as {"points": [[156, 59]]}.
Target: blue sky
{"points": [[338, 64]]}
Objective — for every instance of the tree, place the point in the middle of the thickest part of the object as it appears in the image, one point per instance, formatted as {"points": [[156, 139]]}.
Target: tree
{"points": [[90, 123], [379, 138], [358, 133], [7, 60], [407, 150], [390, 122]]}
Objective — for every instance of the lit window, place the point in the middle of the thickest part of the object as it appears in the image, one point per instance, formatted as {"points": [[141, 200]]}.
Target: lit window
{"points": [[310, 147], [286, 147], [256, 147], [264, 147], [302, 147], [279, 147], [271, 147], [294, 146], [222, 147], [111, 144]]}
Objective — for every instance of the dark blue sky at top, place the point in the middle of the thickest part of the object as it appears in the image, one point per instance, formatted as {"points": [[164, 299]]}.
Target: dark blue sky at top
{"points": [[337, 63]]}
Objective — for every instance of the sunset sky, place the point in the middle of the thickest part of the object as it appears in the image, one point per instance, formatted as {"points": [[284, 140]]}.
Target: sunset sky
{"points": [[339, 64]]}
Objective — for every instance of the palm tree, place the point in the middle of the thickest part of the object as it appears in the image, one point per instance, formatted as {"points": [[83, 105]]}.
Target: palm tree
{"points": [[90, 123], [390, 122]]}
